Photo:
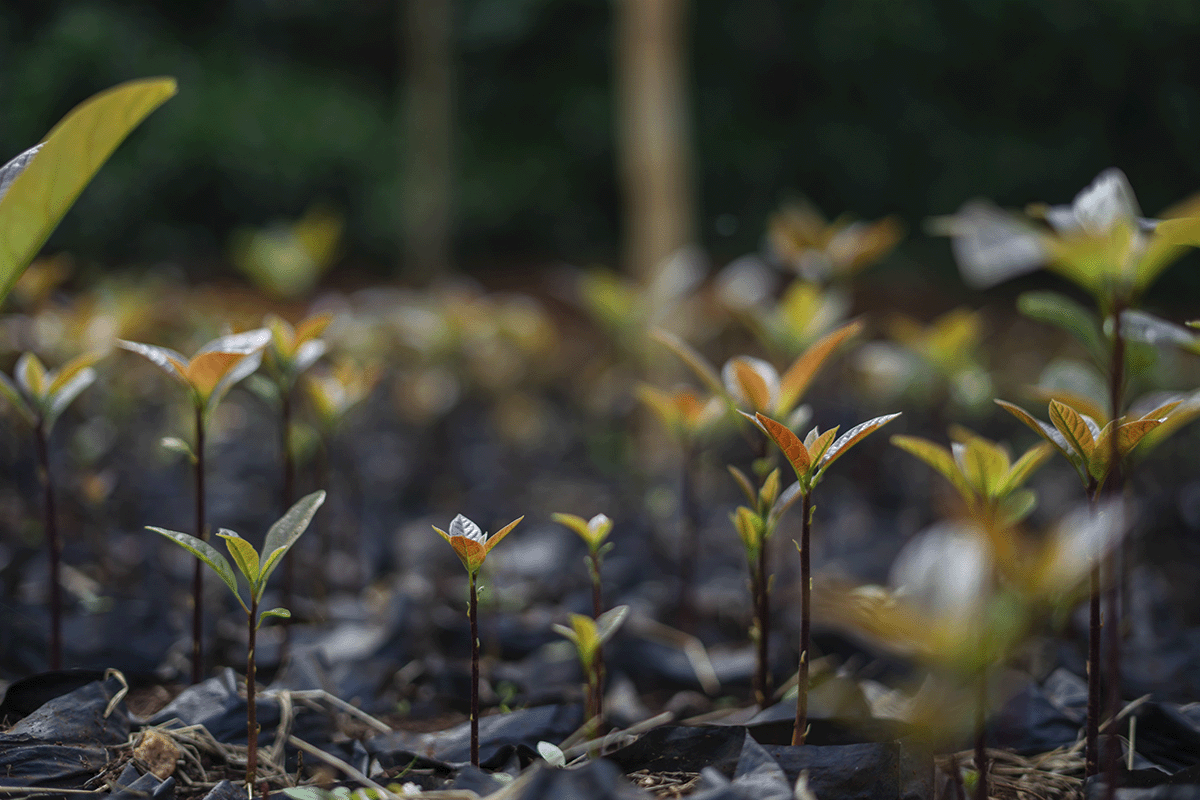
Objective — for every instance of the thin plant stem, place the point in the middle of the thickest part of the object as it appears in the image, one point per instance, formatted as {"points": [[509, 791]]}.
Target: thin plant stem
{"points": [[596, 700], [689, 544], [762, 679], [473, 616], [1115, 488], [198, 574], [251, 702], [50, 524], [981, 765], [801, 726], [1091, 735]]}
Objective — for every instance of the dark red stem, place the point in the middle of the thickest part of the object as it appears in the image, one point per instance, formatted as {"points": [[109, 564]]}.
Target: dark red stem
{"points": [[801, 725], [473, 615], [198, 574], [50, 523], [1092, 725], [289, 491], [251, 704], [762, 679]]}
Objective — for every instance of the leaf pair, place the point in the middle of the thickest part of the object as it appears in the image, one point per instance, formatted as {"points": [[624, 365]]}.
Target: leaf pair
{"points": [[41, 395], [814, 454], [255, 569], [590, 635], [292, 350], [1083, 442], [215, 368], [682, 412], [470, 543]]}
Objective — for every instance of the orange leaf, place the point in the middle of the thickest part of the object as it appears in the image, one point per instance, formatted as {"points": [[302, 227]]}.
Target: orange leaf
{"points": [[1071, 424], [207, 369], [800, 374], [793, 449]]}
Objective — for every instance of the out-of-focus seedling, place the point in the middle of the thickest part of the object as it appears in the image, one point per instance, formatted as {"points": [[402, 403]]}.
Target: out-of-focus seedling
{"points": [[40, 185], [40, 396], [687, 417], [593, 531], [824, 252], [472, 546], [286, 260], [215, 368], [256, 569], [810, 458], [589, 636], [755, 526], [983, 474], [291, 351]]}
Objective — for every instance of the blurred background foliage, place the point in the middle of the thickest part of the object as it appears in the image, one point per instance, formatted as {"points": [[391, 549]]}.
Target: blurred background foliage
{"points": [[870, 107]]}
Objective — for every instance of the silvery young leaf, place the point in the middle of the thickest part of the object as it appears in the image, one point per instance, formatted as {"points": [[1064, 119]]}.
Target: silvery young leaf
{"points": [[177, 445], [10, 171], [206, 553], [1140, 326], [166, 359], [308, 353], [853, 436], [991, 245], [610, 621], [245, 343], [287, 530], [551, 754]]}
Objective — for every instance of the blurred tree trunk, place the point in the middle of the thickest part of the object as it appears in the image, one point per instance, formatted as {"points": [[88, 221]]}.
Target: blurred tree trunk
{"points": [[427, 155], [653, 147]]}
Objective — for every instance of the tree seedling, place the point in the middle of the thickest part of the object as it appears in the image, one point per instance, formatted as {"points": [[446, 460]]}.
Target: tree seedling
{"points": [[810, 458], [755, 527], [256, 569], [291, 351], [589, 635], [207, 377], [593, 531], [472, 546], [40, 396]]}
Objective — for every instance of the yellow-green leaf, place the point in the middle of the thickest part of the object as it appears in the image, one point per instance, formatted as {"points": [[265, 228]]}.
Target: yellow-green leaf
{"points": [[820, 444], [243, 554], [495, 538], [704, 371], [1033, 458], [853, 437], [984, 464], [72, 154], [1074, 429]]}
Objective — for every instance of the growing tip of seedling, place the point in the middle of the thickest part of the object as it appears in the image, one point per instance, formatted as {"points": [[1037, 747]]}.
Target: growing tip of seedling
{"points": [[593, 531], [470, 542]]}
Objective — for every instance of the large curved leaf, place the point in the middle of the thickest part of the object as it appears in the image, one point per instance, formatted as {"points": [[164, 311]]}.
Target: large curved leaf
{"points": [[71, 155]]}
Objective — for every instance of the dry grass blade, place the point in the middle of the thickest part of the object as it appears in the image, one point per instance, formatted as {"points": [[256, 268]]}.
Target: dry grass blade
{"points": [[1056, 775], [665, 784]]}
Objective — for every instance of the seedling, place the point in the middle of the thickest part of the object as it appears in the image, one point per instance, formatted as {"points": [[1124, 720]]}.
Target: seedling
{"points": [[207, 377], [810, 459], [686, 417], [828, 252], [593, 531], [589, 636], [292, 350], [40, 185], [286, 260], [40, 396], [755, 527], [256, 570], [472, 546]]}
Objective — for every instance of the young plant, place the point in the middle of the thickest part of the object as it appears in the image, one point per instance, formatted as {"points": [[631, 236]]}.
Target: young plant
{"points": [[256, 569], [755, 527], [589, 636], [810, 458], [593, 531], [207, 377], [1095, 453], [291, 351], [40, 396], [686, 416], [472, 546], [40, 185]]}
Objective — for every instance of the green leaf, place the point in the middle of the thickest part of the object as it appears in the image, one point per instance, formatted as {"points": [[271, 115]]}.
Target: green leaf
{"points": [[1033, 458], [31, 374], [744, 484], [1016, 506], [287, 530], [1062, 312], [177, 445], [70, 156], [984, 464], [58, 401], [281, 613], [1047, 432], [206, 553], [244, 556], [608, 623]]}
